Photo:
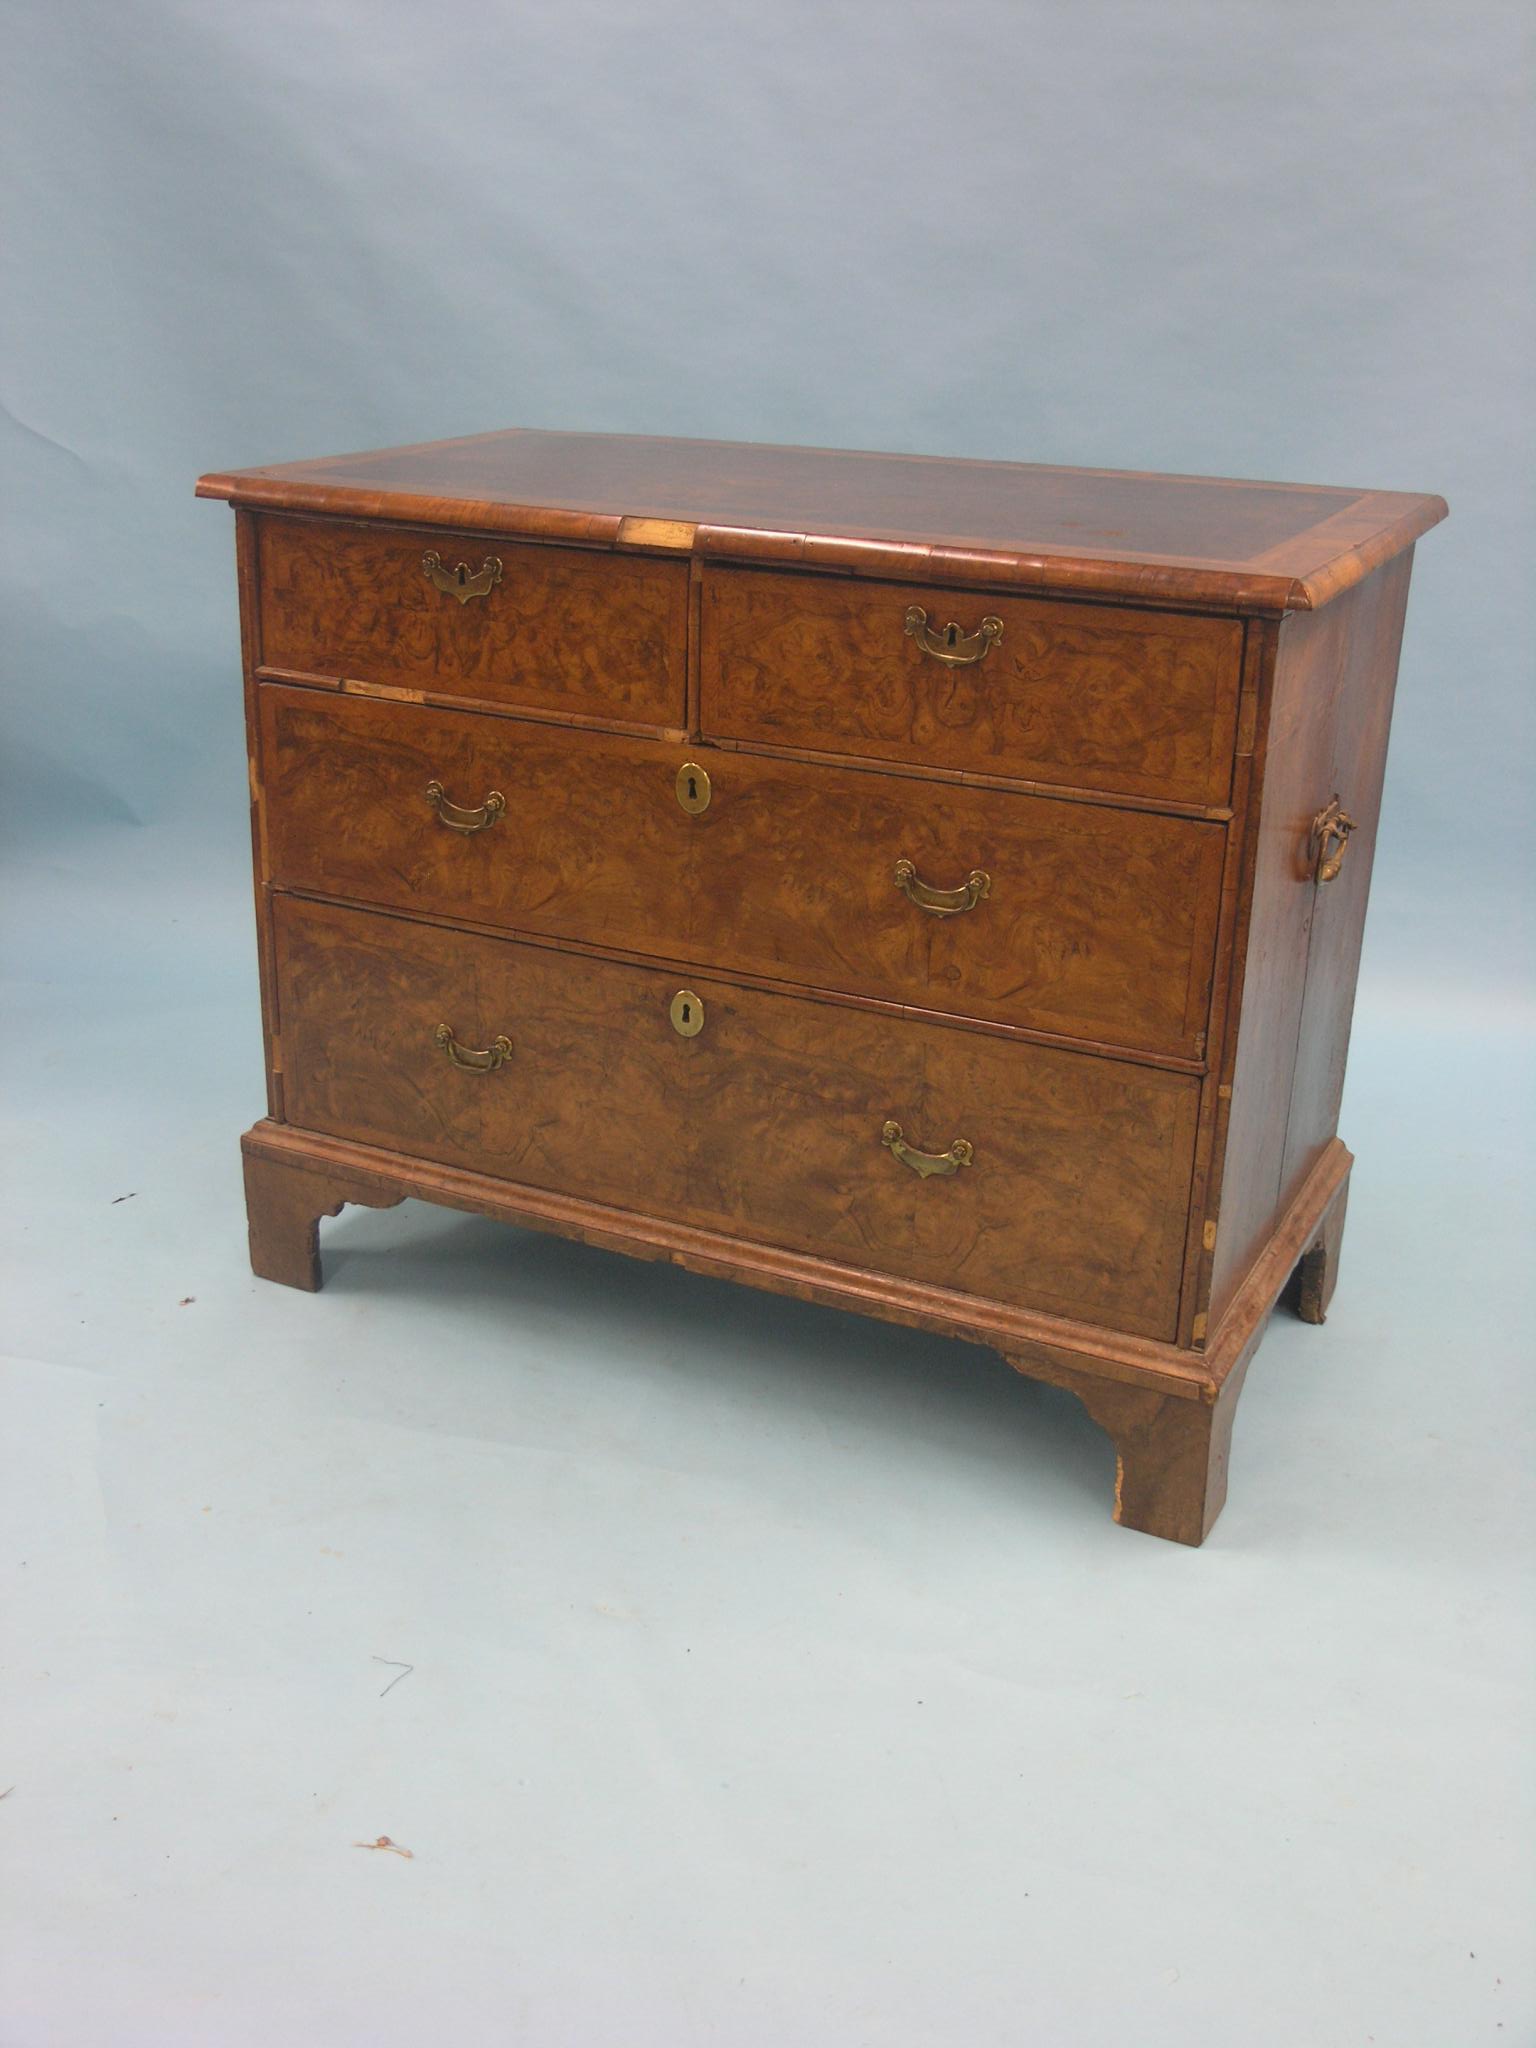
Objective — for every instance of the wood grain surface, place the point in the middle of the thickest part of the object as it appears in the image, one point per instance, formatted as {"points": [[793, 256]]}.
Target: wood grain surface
{"points": [[1360, 660], [1171, 1465], [1086, 695], [1138, 1028], [768, 1123], [1326, 710], [285, 1199], [1099, 923], [592, 844], [1215, 542], [565, 629]]}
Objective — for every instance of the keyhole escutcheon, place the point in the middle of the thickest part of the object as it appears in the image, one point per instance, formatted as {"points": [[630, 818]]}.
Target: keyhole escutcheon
{"points": [[687, 1014], [693, 788]]}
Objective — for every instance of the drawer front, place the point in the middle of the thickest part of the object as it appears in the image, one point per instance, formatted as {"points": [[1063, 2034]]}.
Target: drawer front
{"points": [[589, 843], [1096, 923], [1091, 697], [770, 1123], [561, 630], [1068, 918]]}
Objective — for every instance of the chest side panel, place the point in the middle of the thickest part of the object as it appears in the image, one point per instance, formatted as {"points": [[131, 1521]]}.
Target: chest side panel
{"points": [[1329, 703], [1356, 774]]}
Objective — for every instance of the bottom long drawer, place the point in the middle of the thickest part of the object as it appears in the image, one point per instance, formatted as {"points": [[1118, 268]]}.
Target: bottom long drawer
{"points": [[1042, 1178]]}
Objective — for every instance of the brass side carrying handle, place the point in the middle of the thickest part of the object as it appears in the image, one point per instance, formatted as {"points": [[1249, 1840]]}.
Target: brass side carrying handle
{"points": [[456, 818], [942, 902], [949, 645], [461, 581], [1328, 840], [484, 1061], [924, 1164]]}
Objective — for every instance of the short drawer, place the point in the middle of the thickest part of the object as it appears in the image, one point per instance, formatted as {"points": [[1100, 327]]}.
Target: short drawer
{"points": [[560, 630], [1068, 918], [1026, 1174], [531, 827], [1092, 697]]}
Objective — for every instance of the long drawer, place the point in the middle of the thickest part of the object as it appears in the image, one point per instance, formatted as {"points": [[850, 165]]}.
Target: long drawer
{"points": [[1087, 922], [559, 630], [1027, 1174], [1095, 697]]}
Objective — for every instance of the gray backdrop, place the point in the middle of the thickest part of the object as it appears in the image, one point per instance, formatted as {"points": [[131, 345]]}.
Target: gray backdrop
{"points": [[1281, 240], [778, 1677]]}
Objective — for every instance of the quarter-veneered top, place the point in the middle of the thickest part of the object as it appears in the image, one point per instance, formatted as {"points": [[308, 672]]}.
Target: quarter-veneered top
{"points": [[1211, 542]]}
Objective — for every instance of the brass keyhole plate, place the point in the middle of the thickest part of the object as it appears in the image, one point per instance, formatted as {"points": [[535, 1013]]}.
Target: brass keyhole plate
{"points": [[693, 788], [687, 1014]]}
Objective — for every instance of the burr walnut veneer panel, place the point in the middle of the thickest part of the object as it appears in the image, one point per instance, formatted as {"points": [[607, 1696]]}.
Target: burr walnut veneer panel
{"points": [[931, 888], [559, 630], [768, 1122], [1098, 923], [1090, 696]]}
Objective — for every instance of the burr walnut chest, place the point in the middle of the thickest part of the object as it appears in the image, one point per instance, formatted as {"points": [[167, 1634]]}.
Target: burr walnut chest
{"points": [[933, 888]]}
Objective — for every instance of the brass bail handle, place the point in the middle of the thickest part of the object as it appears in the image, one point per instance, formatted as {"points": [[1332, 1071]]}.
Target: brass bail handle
{"points": [[456, 818], [461, 581], [1328, 840], [942, 902], [474, 1060], [949, 645], [925, 1164]]}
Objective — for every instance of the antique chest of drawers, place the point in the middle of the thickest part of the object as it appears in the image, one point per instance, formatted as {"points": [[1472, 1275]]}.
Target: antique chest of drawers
{"points": [[932, 888]]}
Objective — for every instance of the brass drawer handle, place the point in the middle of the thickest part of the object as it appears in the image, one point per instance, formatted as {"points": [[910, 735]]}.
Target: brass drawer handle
{"points": [[457, 819], [960, 1153], [467, 1057], [461, 581], [943, 902], [1328, 840], [949, 644]]}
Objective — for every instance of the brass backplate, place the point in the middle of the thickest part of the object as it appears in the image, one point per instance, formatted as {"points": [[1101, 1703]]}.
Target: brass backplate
{"points": [[687, 1014], [458, 581], [694, 789]]}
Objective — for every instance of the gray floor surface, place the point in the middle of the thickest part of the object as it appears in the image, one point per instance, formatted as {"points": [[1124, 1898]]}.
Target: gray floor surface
{"points": [[773, 1676]]}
